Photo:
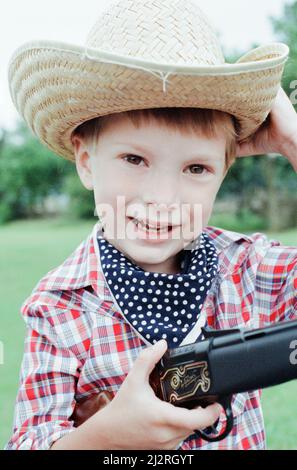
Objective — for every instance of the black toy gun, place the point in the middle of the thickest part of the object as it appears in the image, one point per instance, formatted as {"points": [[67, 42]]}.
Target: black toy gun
{"points": [[224, 363]]}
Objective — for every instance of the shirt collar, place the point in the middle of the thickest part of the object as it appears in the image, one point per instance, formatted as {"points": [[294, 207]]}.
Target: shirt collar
{"points": [[82, 268]]}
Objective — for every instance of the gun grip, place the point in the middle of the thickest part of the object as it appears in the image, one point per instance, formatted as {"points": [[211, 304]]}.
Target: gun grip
{"points": [[226, 403]]}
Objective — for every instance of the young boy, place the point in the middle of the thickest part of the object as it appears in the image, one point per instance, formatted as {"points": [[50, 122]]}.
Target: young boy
{"points": [[151, 270]]}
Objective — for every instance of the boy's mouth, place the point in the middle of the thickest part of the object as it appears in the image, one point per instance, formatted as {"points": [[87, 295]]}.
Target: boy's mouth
{"points": [[151, 227]]}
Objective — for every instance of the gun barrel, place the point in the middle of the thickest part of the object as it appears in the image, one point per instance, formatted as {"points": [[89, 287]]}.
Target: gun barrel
{"points": [[254, 359]]}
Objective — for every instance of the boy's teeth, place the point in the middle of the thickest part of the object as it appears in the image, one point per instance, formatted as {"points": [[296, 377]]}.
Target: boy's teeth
{"points": [[148, 228]]}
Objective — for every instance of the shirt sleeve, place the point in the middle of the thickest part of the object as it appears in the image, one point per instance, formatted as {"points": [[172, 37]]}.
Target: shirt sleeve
{"points": [[276, 285], [47, 383]]}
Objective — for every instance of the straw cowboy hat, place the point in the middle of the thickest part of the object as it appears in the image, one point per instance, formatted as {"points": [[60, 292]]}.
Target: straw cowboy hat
{"points": [[141, 54]]}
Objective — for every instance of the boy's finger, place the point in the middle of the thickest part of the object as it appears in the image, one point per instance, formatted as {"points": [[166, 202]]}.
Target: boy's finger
{"points": [[148, 358], [199, 418]]}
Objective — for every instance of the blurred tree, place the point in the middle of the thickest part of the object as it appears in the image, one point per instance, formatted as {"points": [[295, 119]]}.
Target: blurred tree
{"points": [[28, 173], [82, 204], [285, 29]]}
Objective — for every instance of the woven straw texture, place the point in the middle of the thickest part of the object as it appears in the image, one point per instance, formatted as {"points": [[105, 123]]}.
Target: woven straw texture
{"points": [[139, 55]]}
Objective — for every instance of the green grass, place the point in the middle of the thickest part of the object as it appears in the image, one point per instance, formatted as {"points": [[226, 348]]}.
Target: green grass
{"points": [[29, 249]]}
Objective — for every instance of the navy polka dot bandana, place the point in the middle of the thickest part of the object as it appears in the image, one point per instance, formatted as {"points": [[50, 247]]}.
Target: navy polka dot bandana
{"points": [[160, 305]]}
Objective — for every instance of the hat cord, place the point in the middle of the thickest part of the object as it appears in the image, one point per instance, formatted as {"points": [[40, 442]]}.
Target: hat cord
{"points": [[162, 75]]}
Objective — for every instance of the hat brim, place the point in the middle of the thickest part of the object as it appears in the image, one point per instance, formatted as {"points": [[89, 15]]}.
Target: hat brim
{"points": [[57, 86]]}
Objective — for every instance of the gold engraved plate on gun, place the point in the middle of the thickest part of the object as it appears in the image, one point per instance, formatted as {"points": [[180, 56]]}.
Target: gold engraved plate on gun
{"points": [[182, 382]]}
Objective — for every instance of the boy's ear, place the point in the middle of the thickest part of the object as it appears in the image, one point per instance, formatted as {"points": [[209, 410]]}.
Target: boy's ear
{"points": [[83, 162]]}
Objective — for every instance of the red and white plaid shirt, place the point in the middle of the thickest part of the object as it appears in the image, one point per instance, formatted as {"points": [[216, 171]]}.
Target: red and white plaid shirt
{"points": [[78, 342]]}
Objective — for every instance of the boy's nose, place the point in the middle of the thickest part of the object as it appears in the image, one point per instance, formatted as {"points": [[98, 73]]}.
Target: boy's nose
{"points": [[161, 193]]}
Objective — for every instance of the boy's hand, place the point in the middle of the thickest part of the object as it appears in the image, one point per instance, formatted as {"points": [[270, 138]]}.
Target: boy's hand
{"points": [[278, 134], [137, 419]]}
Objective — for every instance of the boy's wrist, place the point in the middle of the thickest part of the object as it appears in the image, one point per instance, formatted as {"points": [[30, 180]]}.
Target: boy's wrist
{"points": [[289, 150], [91, 435]]}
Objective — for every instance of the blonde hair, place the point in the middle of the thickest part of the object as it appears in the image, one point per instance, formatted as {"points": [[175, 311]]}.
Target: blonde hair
{"points": [[209, 122]]}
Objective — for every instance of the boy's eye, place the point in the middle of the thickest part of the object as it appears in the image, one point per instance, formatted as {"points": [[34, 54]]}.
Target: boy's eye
{"points": [[132, 159], [199, 169], [135, 160]]}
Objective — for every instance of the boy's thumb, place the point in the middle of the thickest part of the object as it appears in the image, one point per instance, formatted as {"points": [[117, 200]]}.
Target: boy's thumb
{"points": [[149, 357]]}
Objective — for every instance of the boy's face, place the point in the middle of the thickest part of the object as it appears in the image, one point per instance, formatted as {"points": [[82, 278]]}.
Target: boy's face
{"points": [[157, 175]]}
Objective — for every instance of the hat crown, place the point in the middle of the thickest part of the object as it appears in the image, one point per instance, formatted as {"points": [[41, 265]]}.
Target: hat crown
{"points": [[163, 31]]}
